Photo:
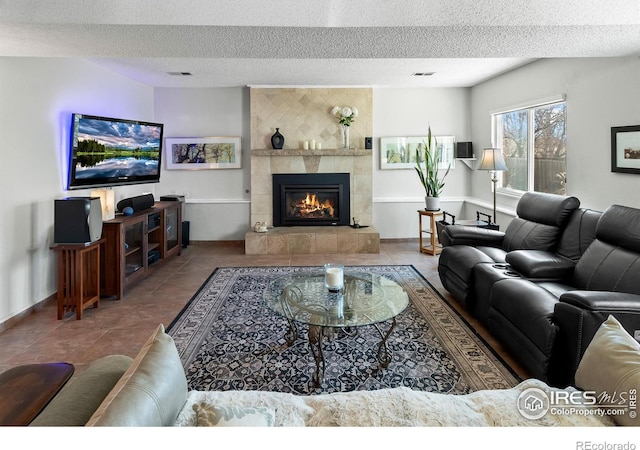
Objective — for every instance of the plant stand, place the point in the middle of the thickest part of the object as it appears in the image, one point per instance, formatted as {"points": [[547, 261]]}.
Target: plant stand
{"points": [[434, 248]]}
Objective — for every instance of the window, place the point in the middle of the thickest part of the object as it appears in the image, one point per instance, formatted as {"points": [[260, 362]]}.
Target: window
{"points": [[533, 142]]}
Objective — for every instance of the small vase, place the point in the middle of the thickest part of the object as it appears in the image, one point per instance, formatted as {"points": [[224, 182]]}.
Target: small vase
{"points": [[345, 136], [277, 140]]}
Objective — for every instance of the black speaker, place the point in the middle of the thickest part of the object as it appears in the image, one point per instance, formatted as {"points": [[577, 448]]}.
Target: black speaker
{"points": [[368, 143], [185, 233], [137, 203], [464, 150], [77, 220]]}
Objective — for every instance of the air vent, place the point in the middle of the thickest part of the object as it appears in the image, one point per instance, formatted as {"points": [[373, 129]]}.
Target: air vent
{"points": [[180, 74], [422, 74]]}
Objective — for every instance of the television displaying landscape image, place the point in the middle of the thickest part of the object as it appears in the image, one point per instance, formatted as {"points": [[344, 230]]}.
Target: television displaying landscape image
{"points": [[106, 152]]}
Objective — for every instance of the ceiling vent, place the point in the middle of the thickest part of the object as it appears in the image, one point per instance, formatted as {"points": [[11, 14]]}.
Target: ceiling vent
{"points": [[180, 74], [422, 74]]}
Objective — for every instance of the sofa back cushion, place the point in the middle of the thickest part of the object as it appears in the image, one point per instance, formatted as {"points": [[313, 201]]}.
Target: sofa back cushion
{"points": [[578, 234], [548, 209], [612, 261], [541, 218], [152, 391], [522, 234], [620, 226]]}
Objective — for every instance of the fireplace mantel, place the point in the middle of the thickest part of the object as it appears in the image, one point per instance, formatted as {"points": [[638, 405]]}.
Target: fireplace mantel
{"points": [[302, 152]]}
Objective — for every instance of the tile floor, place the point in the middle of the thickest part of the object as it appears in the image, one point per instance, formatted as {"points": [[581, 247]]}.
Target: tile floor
{"points": [[122, 326]]}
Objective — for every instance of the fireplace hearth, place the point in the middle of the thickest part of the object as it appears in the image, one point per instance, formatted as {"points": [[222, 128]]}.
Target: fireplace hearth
{"points": [[304, 199]]}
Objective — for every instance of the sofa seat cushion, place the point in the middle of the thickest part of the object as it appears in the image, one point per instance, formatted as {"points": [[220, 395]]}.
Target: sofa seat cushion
{"points": [[78, 400], [611, 367], [556, 289], [151, 392]]}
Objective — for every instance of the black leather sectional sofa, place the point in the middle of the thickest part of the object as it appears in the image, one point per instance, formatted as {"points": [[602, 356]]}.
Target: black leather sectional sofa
{"points": [[545, 284]]}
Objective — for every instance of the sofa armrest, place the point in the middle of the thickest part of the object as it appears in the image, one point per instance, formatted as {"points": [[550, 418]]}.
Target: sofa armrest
{"points": [[596, 301], [78, 400], [578, 315], [474, 236], [540, 264]]}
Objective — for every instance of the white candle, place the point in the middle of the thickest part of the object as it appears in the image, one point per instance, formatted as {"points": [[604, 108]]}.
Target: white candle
{"points": [[319, 146], [334, 277], [313, 144], [305, 145]]}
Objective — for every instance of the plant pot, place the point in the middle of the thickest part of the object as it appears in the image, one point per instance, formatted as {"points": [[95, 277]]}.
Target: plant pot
{"points": [[432, 203]]}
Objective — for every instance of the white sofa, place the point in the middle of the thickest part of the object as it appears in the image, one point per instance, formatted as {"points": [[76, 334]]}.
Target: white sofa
{"points": [[153, 392]]}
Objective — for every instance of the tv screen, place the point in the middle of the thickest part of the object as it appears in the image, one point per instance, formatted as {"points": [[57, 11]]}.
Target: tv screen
{"points": [[108, 152]]}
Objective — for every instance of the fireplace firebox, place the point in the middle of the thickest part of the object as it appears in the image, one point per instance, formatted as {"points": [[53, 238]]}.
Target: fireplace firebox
{"points": [[310, 199]]}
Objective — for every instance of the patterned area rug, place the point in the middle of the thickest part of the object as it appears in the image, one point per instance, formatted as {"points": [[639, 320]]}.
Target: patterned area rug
{"points": [[229, 340]]}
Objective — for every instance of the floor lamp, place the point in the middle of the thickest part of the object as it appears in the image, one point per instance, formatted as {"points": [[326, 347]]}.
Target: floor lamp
{"points": [[492, 160]]}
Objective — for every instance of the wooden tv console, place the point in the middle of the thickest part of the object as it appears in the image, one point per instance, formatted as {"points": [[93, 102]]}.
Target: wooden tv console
{"points": [[137, 244]]}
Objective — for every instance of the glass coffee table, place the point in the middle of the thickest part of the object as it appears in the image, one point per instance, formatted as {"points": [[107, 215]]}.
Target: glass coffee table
{"points": [[365, 299]]}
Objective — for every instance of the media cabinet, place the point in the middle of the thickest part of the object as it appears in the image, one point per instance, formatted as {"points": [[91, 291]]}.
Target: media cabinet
{"points": [[137, 244]]}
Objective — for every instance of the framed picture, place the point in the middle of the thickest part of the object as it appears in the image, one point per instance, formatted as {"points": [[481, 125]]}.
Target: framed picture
{"points": [[400, 152], [203, 153], [625, 149]]}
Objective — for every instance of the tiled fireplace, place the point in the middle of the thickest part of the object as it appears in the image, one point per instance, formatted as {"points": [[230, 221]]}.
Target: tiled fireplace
{"points": [[309, 109]]}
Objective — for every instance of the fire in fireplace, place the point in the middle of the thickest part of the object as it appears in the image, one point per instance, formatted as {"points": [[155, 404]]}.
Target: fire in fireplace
{"points": [[311, 199], [312, 206]]}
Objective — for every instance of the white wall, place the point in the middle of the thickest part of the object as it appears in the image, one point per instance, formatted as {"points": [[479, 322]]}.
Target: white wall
{"points": [[600, 92], [37, 97], [217, 200], [398, 194]]}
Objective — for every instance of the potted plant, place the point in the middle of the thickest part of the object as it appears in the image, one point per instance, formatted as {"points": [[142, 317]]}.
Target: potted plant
{"points": [[429, 175]]}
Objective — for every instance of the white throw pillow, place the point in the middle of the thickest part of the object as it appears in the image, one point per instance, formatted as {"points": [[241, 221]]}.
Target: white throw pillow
{"points": [[611, 367], [208, 415]]}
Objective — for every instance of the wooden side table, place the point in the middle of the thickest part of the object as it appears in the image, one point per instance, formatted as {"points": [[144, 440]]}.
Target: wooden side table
{"points": [[26, 390], [78, 276], [432, 232]]}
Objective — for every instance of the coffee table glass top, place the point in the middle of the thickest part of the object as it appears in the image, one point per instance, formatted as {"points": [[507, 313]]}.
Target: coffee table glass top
{"points": [[365, 299]]}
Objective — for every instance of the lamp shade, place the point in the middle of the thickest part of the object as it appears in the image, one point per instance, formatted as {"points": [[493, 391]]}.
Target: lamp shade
{"points": [[492, 160]]}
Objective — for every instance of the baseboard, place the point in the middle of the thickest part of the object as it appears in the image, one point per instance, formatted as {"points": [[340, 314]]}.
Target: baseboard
{"points": [[14, 320]]}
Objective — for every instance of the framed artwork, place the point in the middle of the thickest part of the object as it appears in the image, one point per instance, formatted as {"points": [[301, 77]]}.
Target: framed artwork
{"points": [[400, 152], [203, 153], [625, 149]]}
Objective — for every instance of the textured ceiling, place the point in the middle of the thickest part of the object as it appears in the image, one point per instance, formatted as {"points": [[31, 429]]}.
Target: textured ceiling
{"points": [[313, 42]]}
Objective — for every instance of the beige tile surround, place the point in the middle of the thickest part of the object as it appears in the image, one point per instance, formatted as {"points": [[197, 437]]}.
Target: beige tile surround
{"points": [[312, 240], [305, 114]]}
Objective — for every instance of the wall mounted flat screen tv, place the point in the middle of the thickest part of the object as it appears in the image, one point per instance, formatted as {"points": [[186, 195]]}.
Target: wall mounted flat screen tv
{"points": [[109, 152]]}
